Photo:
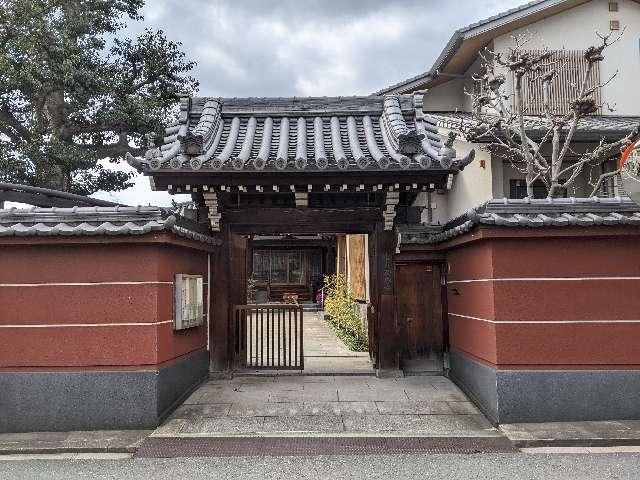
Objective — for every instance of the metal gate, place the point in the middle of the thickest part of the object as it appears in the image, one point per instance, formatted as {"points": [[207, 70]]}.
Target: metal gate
{"points": [[269, 336]]}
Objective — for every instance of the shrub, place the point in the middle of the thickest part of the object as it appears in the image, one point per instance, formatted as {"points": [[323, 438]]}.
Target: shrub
{"points": [[343, 319]]}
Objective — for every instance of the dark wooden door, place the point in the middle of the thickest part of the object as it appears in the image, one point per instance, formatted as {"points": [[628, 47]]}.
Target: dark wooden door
{"points": [[419, 309]]}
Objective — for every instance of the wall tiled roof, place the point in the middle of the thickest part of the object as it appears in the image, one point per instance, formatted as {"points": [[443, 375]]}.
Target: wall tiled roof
{"points": [[532, 213], [90, 221], [591, 128]]}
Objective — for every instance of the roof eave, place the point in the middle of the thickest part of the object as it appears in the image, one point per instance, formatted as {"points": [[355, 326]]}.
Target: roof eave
{"points": [[457, 40]]}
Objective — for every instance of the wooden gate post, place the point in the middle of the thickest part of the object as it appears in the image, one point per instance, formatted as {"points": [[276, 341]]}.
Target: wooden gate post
{"points": [[221, 307], [388, 352]]}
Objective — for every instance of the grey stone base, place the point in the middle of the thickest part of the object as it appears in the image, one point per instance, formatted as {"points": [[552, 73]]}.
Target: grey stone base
{"points": [[97, 400], [521, 396], [389, 373]]}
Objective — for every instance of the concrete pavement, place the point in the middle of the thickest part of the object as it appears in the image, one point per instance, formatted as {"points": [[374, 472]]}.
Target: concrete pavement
{"points": [[327, 405]]}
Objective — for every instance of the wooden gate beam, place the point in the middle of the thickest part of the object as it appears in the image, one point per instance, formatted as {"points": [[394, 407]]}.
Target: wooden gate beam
{"points": [[301, 220]]}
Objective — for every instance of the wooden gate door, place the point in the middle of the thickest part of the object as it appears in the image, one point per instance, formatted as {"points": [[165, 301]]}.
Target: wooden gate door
{"points": [[419, 309], [270, 337]]}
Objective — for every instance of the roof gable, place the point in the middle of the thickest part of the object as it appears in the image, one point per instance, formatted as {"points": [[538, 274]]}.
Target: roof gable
{"points": [[463, 47]]}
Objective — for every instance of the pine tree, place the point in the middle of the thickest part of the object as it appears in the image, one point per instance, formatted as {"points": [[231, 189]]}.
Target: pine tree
{"points": [[74, 91]]}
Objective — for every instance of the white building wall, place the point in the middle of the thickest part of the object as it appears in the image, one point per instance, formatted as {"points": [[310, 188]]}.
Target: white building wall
{"points": [[439, 211], [445, 97], [473, 185], [576, 29]]}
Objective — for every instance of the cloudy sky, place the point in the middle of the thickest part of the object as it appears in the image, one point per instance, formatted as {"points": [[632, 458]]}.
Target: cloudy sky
{"points": [[304, 47]]}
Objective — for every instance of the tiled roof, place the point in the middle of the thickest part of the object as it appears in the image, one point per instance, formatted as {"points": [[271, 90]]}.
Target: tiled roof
{"points": [[87, 221], [298, 134], [590, 128], [533, 213]]}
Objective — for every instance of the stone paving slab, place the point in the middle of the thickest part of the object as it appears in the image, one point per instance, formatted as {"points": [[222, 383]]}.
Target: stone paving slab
{"points": [[595, 433], [432, 425], [303, 424], [320, 405], [368, 394], [315, 408], [114, 441], [414, 408], [202, 410]]}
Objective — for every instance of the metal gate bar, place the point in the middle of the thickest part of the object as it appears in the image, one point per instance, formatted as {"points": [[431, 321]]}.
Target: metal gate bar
{"points": [[270, 336]]}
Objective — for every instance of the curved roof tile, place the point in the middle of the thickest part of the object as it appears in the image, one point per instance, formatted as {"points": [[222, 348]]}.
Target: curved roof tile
{"points": [[328, 133]]}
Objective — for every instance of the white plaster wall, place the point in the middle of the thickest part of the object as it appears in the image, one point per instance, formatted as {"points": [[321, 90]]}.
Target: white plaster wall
{"points": [[445, 97], [439, 215], [575, 30], [497, 172], [473, 185], [474, 69], [580, 188]]}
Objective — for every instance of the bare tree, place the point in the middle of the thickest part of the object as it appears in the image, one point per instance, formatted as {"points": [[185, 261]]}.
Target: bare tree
{"points": [[503, 119]]}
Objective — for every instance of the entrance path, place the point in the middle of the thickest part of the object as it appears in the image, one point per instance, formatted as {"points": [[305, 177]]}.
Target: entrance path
{"points": [[324, 352], [327, 406]]}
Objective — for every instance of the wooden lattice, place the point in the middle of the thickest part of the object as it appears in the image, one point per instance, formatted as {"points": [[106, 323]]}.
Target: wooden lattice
{"points": [[571, 67]]}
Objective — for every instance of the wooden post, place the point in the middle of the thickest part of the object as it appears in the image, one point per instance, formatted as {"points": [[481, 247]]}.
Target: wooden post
{"points": [[388, 361], [374, 300], [238, 245], [221, 309]]}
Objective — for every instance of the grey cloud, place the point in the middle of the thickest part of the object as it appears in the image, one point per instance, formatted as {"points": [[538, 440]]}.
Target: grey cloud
{"points": [[312, 47], [304, 47]]}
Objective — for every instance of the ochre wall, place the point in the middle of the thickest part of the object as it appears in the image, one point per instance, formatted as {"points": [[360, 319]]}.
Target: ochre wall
{"points": [[546, 302], [95, 303]]}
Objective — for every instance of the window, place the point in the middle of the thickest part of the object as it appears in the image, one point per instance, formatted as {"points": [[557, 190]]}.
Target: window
{"points": [[571, 66], [188, 301], [518, 189]]}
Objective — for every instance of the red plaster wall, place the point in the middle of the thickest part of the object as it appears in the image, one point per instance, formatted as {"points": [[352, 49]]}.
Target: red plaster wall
{"points": [[476, 338], [172, 260], [469, 261], [96, 344], [573, 334]]}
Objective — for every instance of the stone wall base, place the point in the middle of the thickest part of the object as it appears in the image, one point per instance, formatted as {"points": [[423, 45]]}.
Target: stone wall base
{"points": [[520, 396], [99, 399]]}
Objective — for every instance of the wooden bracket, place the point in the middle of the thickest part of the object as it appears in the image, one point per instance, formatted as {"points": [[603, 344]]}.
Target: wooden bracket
{"points": [[302, 199], [211, 201], [389, 214]]}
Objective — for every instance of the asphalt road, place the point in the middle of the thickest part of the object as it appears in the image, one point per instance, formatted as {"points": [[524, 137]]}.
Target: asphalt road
{"points": [[486, 467]]}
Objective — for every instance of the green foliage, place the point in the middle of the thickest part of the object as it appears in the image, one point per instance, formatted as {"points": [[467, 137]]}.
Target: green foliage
{"points": [[74, 91], [252, 290], [343, 319]]}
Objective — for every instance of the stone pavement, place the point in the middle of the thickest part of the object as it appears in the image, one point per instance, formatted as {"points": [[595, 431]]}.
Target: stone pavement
{"points": [[583, 434], [113, 441], [327, 405]]}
